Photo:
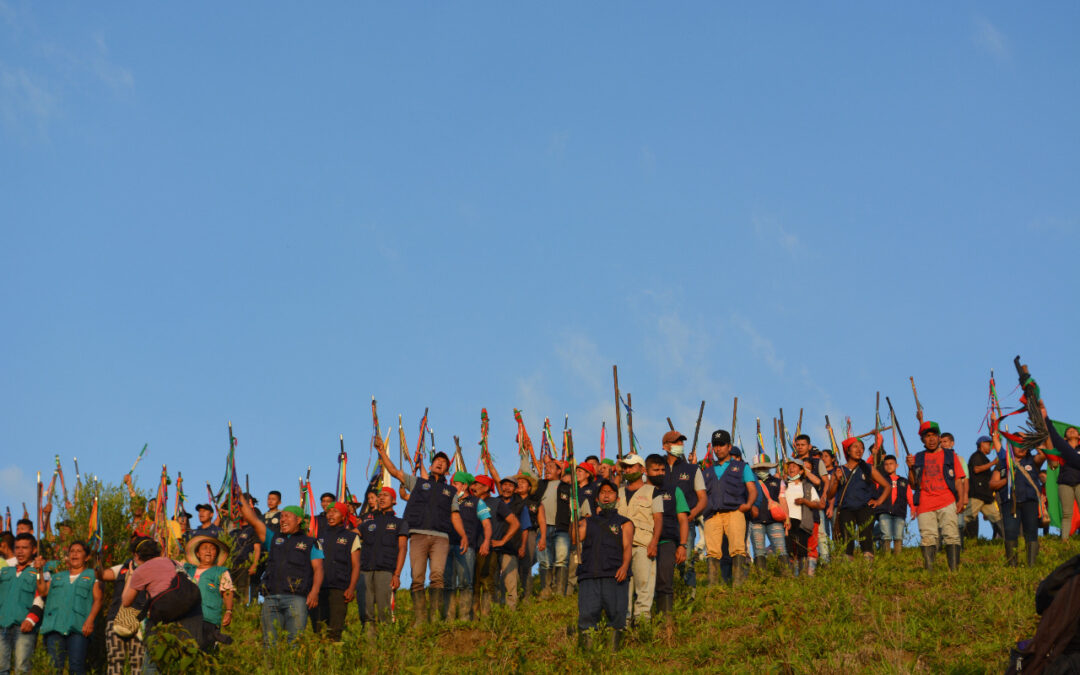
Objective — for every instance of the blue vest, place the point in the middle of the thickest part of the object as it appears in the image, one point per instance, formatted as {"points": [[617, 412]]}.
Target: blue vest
{"points": [[470, 521], [68, 603], [858, 487], [499, 524], [379, 542], [670, 529], [728, 492], [587, 493], [899, 508], [772, 484], [532, 504], [336, 544], [429, 505], [682, 475], [288, 569], [1024, 490], [16, 595], [948, 470], [244, 540], [601, 549]]}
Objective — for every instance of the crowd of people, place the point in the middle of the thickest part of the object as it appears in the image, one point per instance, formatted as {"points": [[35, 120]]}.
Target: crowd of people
{"points": [[617, 532]]}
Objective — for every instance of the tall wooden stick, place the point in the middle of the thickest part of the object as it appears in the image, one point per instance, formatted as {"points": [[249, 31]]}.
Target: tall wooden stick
{"points": [[618, 410], [734, 417], [630, 422], [697, 428], [670, 426]]}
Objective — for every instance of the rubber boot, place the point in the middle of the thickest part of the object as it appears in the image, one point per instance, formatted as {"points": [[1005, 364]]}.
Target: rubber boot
{"points": [[584, 640], [928, 553], [450, 604], [485, 602], [952, 553], [804, 566], [547, 576], [465, 604], [434, 604], [664, 603], [760, 563], [785, 564], [1032, 553], [419, 604], [896, 546], [1010, 553], [562, 578], [740, 568], [714, 570], [616, 640]]}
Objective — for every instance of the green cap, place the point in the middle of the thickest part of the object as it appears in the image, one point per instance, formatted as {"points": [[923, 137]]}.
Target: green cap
{"points": [[295, 510], [463, 477], [608, 461]]}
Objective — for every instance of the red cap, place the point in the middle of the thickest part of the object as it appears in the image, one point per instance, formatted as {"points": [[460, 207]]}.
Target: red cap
{"points": [[342, 508], [390, 491], [588, 467], [848, 442], [563, 464], [486, 481]]}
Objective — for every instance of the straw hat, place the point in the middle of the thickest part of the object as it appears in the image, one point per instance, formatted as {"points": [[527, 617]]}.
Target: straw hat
{"points": [[194, 543]]}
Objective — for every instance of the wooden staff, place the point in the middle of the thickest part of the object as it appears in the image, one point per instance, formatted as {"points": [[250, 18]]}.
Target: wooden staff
{"points": [[629, 423], [697, 428], [618, 410], [734, 417], [798, 425], [671, 426], [892, 413], [918, 406]]}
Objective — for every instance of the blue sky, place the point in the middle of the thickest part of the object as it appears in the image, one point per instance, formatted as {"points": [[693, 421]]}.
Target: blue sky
{"points": [[267, 214]]}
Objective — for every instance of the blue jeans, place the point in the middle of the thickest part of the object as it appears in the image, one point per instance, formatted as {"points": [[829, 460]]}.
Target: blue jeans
{"points": [[892, 527], [775, 532], [459, 568], [1027, 514], [557, 552], [605, 597], [825, 532], [15, 642], [67, 648], [283, 612]]}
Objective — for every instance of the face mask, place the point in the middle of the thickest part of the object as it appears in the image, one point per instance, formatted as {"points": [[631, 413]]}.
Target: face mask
{"points": [[658, 481], [631, 477], [606, 507], [677, 450], [761, 474]]}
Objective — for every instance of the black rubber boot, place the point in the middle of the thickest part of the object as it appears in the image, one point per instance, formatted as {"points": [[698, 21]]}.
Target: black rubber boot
{"points": [[1032, 553], [785, 564], [547, 580], [562, 579], [952, 553], [714, 570], [928, 553], [419, 607], [616, 640], [1010, 553], [761, 563]]}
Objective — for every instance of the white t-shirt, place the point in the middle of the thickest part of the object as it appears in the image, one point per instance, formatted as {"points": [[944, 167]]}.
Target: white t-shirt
{"points": [[793, 491]]}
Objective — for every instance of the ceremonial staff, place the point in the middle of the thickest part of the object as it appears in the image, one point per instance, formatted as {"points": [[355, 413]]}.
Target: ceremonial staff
{"points": [[896, 425], [574, 508], [629, 426], [734, 417], [918, 406], [618, 411], [137, 459], [697, 428]]}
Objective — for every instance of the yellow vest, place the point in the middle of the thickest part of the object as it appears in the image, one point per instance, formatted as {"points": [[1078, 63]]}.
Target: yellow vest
{"points": [[639, 511]]}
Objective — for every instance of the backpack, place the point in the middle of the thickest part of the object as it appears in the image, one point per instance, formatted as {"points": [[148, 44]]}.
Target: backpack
{"points": [[1056, 644], [176, 601]]}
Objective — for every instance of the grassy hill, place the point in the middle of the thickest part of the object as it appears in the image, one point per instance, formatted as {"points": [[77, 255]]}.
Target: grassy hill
{"points": [[888, 616]]}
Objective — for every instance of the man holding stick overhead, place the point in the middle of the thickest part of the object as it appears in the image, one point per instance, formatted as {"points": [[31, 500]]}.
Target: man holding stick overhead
{"points": [[730, 493], [431, 513]]}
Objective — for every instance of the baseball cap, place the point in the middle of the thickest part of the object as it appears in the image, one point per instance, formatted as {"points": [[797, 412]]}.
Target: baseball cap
{"points": [[721, 437]]}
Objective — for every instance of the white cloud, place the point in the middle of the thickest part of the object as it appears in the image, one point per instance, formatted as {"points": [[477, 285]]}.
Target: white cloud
{"points": [[990, 39], [761, 345], [115, 76], [771, 230], [24, 99]]}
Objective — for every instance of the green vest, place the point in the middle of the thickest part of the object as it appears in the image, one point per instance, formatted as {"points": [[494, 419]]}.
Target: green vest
{"points": [[16, 595], [210, 589], [68, 604]]}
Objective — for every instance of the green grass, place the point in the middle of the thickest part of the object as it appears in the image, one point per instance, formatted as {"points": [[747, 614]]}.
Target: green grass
{"points": [[886, 616]]}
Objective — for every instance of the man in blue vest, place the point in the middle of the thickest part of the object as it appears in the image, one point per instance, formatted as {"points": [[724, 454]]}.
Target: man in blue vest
{"points": [[432, 512], [382, 555], [341, 570], [18, 590], [730, 493], [690, 480], [294, 572], [603, 589]]}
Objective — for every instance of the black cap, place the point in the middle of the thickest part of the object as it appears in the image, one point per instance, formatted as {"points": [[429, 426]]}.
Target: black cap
{"points": [[203, 507], [604, 481], [736, 452], [720, 437], [184, 514]]}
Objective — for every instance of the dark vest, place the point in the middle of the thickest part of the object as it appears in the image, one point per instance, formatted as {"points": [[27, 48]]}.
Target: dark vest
{"points": [[948, 462], [471, 522], [244, 545], [336, 544], [516, 505], [587, 493], [728, 492], [499, 524], [379, 542], [429, 505], [682, 475], [772, 484], [532, 504], [857, 489], [899, 508], [273, 521], [1023, 488], [670, 529], [601, 549], [288, 569], [561, 519]]}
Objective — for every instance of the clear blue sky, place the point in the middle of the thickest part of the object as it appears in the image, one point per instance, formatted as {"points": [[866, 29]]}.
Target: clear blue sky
{"points": [[266, 214]]}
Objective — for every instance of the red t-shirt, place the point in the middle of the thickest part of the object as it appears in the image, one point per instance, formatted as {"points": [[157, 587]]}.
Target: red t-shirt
{"points": [[934, 493]]}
